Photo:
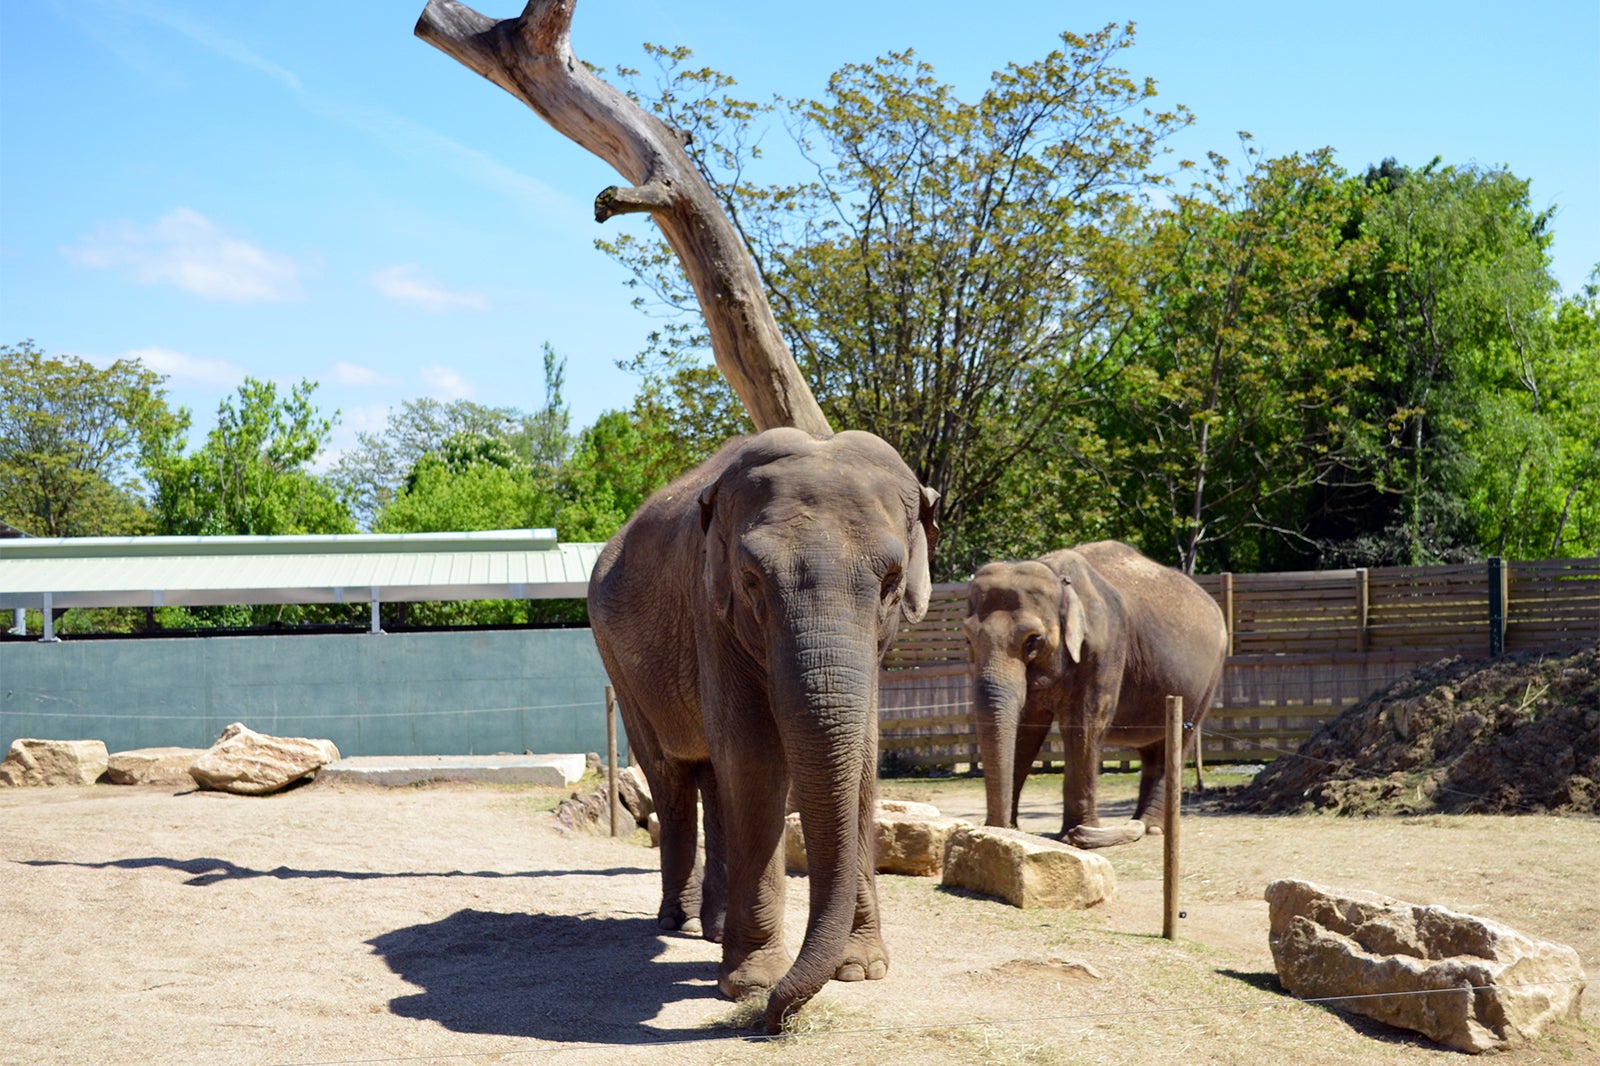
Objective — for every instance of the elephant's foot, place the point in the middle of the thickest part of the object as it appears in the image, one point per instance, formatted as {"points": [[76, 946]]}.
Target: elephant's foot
{"points": [[674, 918], [1094, 836], [759, 972], [865, 958]]}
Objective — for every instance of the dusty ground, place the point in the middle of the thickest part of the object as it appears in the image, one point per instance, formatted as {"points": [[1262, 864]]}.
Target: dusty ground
{"points": [[346, 923]]}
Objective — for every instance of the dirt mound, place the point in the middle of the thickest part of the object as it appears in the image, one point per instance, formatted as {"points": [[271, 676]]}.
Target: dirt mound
{"points": [[1501, 736]]}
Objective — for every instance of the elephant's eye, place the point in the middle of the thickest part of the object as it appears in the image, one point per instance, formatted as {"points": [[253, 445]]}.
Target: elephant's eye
{"points": [[1032, 647], [891, 583], [752, 593]]}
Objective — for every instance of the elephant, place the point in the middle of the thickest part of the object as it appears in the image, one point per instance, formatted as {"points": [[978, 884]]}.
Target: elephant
{"points": [[742, 614], [1093, 638]]}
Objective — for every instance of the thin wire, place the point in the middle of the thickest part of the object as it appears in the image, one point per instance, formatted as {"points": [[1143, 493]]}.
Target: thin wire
{"points": [[324, 716]]}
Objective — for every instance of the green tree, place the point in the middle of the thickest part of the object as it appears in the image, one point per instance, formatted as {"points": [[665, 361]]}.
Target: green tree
{"points": [[75, 440], [678, 420], [1535, 490], [1234, 402], [1455, 301], [371, 474], [252, 476], [954, 276], [476, 482]]}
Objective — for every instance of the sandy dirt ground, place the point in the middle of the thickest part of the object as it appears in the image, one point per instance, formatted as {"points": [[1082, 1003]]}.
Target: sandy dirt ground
{"points": [[342, 923]]}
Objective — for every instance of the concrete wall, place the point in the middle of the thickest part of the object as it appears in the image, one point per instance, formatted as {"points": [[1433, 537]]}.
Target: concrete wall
{"points": [[450, 693]]}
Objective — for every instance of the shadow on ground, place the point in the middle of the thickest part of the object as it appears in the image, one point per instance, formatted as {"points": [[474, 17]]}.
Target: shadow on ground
{"points": [[207, 871], [544, 976]]}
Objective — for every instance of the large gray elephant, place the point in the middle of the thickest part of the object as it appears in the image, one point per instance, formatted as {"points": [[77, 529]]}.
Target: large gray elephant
{"points": [[742, 614], [1093, 638]]}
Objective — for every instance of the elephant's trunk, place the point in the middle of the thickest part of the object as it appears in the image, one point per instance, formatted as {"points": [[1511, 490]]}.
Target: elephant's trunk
{"points": [[997, 700], [825, 696]]}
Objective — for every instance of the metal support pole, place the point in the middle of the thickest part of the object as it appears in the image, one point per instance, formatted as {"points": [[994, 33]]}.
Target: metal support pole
{"points": [[1169, 872], [611, 753], [49, 619], [374, 627]]}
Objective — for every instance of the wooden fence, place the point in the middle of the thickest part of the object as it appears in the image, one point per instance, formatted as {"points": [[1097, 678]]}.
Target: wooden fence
{"points": [[1301, 648]]}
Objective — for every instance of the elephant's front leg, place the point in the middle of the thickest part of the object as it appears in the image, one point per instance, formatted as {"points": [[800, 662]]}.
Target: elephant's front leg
{"points": [[865, 956], [752, 781], [1081, 787], [714, 881]]}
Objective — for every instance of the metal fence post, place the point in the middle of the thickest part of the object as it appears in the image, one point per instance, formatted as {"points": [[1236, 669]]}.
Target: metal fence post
{"points": [[1497, 606]]}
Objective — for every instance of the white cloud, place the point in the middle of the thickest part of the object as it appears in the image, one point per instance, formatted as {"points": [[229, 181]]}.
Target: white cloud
{"points": [[410, 284], [182, 369], [352, 374], [445, 384], [186, 249]]}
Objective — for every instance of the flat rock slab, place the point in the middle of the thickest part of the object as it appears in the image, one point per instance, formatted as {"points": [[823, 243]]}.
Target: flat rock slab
{"points": [[558, 770], [1466, 982], [53, 762], [1026, 870], [167, 767]]}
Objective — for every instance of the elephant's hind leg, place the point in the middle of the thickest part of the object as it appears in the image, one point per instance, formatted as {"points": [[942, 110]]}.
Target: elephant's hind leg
{"points": [[1152, 804]]}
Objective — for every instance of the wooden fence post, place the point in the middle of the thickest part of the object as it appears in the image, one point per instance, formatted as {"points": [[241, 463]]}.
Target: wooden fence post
{"points": [[1361, 609], [1174, 768], [1227, 607]]}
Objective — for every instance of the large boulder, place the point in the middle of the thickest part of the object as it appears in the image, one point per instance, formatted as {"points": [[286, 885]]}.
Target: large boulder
{"points": [[53, 762], [167, 767], [1026, 870], [634, 792], [1468, 983], [253, 764], [909, 838]]}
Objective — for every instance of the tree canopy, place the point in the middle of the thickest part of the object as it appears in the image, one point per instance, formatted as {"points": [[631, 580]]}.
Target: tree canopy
{"points": [[76, 442]]}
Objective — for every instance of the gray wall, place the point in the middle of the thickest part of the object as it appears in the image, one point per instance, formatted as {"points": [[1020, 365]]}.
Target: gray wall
{"points": [[450, 693]]}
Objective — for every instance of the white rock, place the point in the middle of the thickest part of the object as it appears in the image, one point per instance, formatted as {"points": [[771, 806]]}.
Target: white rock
{"points": [[634, 792], [909, 838], [1466, 982], [53, 762], [253, 764], [1026, 870]]}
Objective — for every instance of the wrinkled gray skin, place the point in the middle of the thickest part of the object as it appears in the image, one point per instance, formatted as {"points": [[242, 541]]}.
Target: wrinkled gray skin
{"points": [[1094, 639], [742, 614]]}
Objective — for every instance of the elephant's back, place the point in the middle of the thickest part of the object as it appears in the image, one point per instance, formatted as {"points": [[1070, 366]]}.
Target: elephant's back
{"points": [[1176, 631]]}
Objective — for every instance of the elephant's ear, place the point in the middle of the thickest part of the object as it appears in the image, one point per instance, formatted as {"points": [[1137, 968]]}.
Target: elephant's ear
{"points": [[924, 538], [714, 557], [1073, 620]]}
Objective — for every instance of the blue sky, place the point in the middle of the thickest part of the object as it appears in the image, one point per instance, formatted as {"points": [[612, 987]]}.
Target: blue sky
{"points": [[231, 189]]}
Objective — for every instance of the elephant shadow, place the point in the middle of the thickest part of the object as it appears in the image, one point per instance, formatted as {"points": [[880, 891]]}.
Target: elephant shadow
{"points": [[550, 977]]}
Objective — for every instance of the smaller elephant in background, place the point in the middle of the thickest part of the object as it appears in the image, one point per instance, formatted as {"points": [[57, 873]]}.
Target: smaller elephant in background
{"points": [[1094, 639]]}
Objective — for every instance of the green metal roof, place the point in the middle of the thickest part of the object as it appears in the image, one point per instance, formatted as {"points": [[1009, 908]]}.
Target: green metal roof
{"points": [[202, 571]]}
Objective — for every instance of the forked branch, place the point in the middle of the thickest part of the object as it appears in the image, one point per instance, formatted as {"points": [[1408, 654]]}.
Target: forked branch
{"points": [[530, 57]]}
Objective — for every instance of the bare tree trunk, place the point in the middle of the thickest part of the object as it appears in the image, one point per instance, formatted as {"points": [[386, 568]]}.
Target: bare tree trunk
{"points": [[531, 58]]}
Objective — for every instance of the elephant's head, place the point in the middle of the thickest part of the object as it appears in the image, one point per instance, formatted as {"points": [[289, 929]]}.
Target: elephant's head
{"points": [[1026, 625], [815, 551]]}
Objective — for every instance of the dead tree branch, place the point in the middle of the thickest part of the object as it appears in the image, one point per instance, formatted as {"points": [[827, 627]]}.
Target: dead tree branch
{"points": [[531, 58]]}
